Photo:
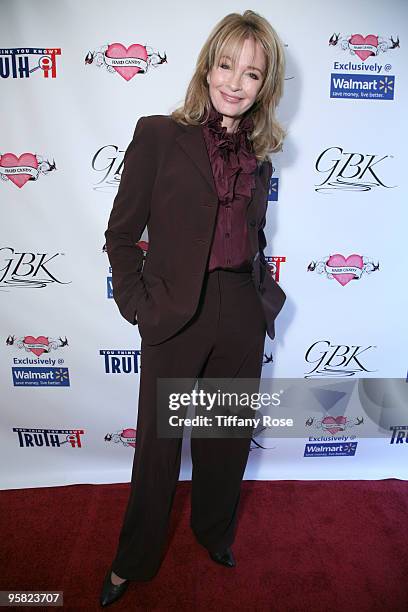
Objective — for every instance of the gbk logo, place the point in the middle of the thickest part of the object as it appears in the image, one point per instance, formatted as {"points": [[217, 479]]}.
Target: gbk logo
{"points": [[337, 360], [27, 270], [108, 162], [347, 171]]}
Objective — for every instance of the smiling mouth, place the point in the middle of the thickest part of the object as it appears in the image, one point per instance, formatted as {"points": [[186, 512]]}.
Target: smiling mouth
{"points": [[233, 98]]}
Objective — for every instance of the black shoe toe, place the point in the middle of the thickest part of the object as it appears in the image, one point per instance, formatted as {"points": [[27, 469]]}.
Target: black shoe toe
{"points": [[224, 557], [111, 592]]}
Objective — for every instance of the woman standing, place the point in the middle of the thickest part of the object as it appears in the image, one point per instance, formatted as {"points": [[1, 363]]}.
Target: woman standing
{"points": [[203, 297]]}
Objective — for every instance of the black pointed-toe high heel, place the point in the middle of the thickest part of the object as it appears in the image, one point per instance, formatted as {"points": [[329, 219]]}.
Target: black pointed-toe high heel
{"points": [[224, 557], [111, 592]]}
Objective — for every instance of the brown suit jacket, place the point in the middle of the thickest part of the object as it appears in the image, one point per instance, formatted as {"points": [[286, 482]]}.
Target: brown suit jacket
{"points": [[167, 184]]}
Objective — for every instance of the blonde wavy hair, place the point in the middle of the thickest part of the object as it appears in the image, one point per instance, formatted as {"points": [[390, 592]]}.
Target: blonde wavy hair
{"points": [[227, 38]]}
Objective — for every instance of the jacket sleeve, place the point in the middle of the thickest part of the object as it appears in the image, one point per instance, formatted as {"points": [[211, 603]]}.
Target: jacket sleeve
{"points": [[128, 219]]}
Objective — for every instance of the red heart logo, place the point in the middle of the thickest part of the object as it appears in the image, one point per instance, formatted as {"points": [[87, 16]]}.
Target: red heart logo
{"points": [[358, 39], [118, 51], [9, 160], [338, 260], [128, 436], [334, 424], [40, 340]]}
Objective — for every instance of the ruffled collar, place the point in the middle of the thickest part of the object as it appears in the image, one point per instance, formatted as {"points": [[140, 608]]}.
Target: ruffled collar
{"points": [[232, 157], [214, 120]]}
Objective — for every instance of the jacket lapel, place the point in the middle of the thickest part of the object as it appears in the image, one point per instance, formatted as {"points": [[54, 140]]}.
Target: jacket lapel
{"points": [[192, 142]]}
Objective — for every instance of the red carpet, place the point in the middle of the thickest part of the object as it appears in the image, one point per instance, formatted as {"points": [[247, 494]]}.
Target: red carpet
{"points": [[301, 546]]}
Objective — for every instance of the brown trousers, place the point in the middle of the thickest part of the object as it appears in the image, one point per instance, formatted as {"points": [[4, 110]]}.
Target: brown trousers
{"points": [[224, 339]]}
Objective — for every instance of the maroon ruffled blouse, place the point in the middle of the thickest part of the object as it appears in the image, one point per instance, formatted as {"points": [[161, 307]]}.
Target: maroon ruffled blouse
{"points": [[233, 164]]}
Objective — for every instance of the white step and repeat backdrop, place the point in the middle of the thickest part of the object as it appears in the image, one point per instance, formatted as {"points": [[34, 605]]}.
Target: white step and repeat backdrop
{"points": [[336, 227]]}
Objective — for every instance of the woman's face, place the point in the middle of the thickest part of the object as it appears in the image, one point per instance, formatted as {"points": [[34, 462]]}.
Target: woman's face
{"points": [[233, 90]]}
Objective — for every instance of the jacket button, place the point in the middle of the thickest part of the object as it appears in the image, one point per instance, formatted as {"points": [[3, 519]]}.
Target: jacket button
{"points": [[252, 223]]}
